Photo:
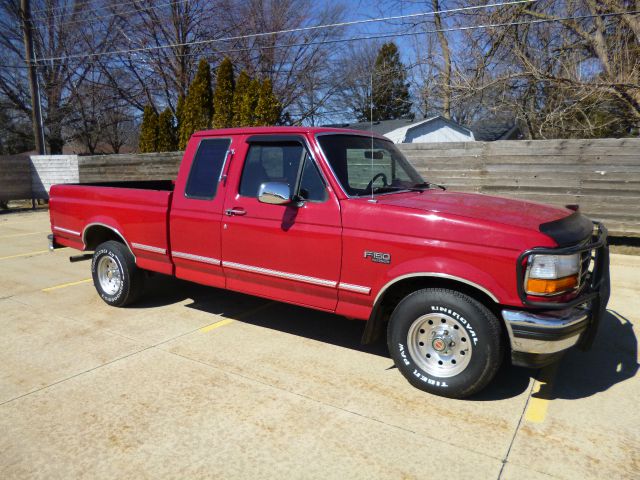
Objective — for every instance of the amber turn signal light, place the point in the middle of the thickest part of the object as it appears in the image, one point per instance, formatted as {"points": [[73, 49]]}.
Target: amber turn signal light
{"points": [[537, 286]]}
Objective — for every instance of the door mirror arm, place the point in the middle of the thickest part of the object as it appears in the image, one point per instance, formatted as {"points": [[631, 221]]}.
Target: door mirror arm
{"points": [[298, 201]]}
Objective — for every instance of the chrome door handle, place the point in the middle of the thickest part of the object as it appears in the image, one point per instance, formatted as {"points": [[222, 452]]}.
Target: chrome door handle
{"points": [[235, 211]]}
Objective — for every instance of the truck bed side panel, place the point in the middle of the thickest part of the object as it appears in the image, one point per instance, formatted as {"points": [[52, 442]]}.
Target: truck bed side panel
{"points": [[138, 216]]}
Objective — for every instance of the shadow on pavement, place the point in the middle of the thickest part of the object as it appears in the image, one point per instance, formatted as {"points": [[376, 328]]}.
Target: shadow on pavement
{"points": [[323, 327], [579, 374], [611, 360]]}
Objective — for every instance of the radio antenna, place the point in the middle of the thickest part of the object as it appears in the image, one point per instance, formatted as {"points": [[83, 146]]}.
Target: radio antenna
{"points": [[372, 200]]}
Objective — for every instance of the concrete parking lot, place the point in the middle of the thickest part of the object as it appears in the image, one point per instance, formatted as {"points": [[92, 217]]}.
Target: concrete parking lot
{"points": [[195, 382]]}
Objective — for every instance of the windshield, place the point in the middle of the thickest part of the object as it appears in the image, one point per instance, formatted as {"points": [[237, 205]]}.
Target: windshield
{"points": [[366, 165]]}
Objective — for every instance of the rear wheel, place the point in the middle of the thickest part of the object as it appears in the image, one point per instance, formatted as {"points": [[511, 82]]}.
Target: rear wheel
{"points": [[116, 277], [445, 342]]}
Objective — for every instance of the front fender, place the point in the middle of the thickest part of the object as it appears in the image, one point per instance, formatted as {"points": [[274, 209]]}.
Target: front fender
{"points": [[433, 267], [441, 267]]}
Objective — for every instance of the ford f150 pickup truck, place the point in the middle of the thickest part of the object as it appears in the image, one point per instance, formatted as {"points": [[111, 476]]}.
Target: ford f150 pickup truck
{"points": [[338, 220]]}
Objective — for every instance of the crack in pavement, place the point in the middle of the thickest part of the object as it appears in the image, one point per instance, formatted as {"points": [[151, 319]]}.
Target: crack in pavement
{"points": [[505, 459]]}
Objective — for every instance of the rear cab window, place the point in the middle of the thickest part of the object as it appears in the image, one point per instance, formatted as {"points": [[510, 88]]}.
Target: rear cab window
{"points": [[208, 162]]}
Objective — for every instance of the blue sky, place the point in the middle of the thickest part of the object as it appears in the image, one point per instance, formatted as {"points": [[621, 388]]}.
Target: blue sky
{"points": [[359, 9]]}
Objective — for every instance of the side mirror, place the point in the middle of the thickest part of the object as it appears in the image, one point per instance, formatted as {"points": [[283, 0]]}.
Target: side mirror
{"points": [[274, 193]]}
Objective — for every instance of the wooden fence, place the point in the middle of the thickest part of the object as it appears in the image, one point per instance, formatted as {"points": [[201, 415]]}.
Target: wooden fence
{"points": [[143, 166], [15, 177], [602, 176], [49, 170]]}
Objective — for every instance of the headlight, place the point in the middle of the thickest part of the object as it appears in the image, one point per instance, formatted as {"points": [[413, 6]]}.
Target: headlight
{"points": [[552, 274]]}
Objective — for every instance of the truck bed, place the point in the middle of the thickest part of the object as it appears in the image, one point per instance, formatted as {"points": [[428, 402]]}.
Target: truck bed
{"points": [[163, 185], [137, 211]]}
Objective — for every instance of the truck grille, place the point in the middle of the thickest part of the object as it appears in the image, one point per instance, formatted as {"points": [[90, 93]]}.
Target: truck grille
{"points": [[586, 264]]}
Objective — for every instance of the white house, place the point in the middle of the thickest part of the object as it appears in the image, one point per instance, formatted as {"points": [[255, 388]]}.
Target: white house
{"points": [[434, 129]]}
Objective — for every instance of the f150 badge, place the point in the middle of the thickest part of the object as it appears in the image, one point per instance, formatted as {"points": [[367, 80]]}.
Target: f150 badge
{"points": [[378, 257]]}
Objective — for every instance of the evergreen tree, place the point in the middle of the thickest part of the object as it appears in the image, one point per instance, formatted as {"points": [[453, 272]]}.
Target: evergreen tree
{"points": [[148, 141], [198, 105], [239, 95], [248, 102], [390, 87], [267, 107], [167, 139], [223, 96], [179, 113]]}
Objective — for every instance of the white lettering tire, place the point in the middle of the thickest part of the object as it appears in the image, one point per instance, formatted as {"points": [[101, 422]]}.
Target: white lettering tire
{"points": [[116, 277], [445, 342]]}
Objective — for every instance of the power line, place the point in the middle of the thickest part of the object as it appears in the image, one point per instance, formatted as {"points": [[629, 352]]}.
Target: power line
{"points": [[118, 14], [79, 4], [39, 63], [404, 34], [290, 30]]}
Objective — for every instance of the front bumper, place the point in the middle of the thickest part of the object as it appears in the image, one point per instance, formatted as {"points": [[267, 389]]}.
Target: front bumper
{"points": [[540, 335], [540, 338]]}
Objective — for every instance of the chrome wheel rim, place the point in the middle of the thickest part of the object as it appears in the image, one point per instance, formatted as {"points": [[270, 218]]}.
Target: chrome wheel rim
{"points": [[440, 345], [109, 275]]}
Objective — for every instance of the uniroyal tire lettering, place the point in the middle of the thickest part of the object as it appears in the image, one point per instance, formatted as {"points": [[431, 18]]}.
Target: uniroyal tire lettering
{"points": [[460, 318]]}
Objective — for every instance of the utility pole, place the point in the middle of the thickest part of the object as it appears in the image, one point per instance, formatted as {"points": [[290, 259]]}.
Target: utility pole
{"points": [[36, 113]]}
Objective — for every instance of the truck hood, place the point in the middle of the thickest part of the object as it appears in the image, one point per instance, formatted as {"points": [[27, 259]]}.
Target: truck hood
{"points": [[487, 208]]}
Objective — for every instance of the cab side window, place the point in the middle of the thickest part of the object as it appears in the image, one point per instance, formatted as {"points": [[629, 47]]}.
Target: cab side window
{"points": [[280, 162], [205, 171]]}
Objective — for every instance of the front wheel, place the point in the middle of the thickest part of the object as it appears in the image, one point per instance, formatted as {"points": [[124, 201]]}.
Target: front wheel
{"points": [[445, 342], [116, 277]]}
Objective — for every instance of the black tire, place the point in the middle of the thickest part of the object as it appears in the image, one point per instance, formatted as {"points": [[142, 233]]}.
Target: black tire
{"points": [[424, 364], [131, 277]]}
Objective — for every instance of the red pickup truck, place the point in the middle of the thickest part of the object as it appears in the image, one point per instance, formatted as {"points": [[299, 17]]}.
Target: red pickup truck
{"points": [[339, 220]]}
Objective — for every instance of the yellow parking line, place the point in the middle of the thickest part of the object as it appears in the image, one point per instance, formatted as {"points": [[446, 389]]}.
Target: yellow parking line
{"points": [[70, 284], [24, 254], [538, 406], [22, 234], [221, 323]]}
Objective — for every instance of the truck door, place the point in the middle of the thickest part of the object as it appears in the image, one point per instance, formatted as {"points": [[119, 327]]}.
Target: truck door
{"points": [[196, 212], [288, 252]]}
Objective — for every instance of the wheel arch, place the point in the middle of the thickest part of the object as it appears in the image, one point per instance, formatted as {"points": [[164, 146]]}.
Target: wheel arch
{"points": [[96, 233], [398, 288]]}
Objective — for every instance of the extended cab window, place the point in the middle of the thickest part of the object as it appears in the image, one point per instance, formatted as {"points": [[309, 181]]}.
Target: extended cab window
{"points": [[364, 165], [281, 162], [206, 168]]}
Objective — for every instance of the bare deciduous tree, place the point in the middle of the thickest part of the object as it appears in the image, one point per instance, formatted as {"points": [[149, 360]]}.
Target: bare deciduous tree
{"points": [[294, 61], [565, 68], [59, 33]]}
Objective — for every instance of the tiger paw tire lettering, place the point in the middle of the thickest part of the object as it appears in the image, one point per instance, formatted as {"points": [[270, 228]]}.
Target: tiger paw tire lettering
{"points": [[115, 275], [445, 342]]}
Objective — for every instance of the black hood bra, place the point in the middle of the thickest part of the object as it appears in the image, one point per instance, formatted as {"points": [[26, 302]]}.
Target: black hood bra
{"points": [[569, 230]]}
